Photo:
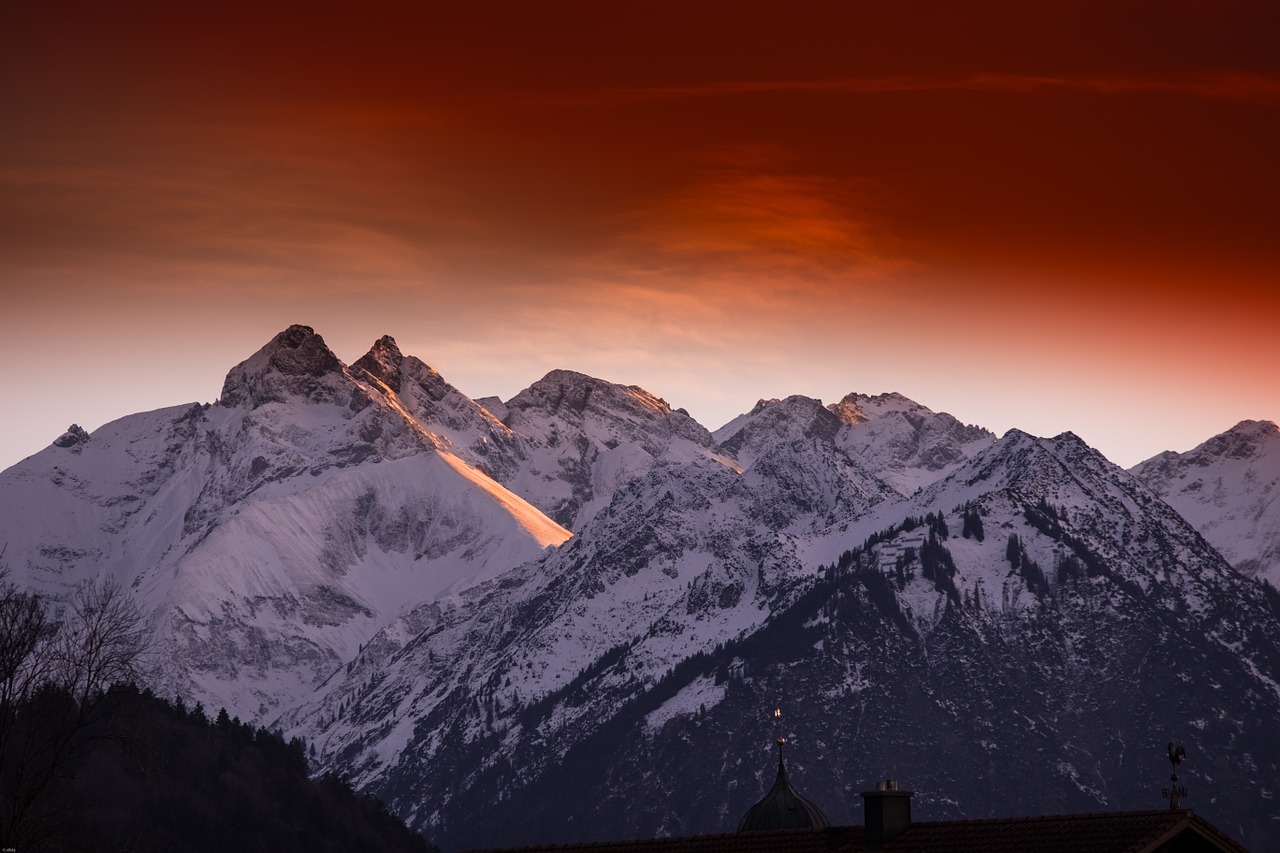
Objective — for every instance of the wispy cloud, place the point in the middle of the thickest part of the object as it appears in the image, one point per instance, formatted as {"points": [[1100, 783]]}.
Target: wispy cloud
{"points": [[1245, 87], [186, 206], [708, 266], [741, 219]]}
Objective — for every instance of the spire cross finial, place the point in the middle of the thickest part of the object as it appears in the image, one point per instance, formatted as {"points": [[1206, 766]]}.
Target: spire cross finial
{"points": [[1174, 793], [779, 740]]}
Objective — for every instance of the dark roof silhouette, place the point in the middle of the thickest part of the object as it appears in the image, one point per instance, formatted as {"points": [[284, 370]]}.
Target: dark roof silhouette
{"points": [[765, 841], [1160, 831], [1170, 831], [782, 807]]}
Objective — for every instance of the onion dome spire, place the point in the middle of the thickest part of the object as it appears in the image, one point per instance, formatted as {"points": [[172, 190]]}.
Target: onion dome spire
{"points": [[782, 807]]}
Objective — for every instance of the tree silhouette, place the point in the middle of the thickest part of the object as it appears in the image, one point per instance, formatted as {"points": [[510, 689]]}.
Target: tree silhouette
{"points": [[54, 674]]}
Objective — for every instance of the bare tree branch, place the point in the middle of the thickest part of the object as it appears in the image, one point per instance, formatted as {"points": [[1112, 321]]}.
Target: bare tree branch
{"points": [[53, 678]]}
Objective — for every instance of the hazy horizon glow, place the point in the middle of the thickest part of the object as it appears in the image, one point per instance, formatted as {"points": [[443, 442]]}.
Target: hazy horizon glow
{"points": [[1052, 218]]}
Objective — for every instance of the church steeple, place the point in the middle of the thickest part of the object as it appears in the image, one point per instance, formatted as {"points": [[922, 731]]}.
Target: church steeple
{"points": [[782, 807]]}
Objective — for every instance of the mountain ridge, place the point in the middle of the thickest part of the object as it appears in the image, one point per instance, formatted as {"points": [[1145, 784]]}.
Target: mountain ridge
{"points": [[1229, 488], [463, 604]]}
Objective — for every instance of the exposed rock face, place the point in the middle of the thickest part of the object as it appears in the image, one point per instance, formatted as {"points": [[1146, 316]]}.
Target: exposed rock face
{"points": [[1047, 660], [621, 413], [1229, 489], [774, 422], [382, 362], [797, 474], [363, 556], [273, 533], [583, 438], [908, 445], [894, 439], [73, 437], [295, 363]]}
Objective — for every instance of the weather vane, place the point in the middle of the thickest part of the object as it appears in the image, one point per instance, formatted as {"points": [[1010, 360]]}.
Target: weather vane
{"points": [[1172, 794], [777, 727]]}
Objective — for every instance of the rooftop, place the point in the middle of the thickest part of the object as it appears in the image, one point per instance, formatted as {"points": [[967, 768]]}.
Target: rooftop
{"points": [[1157, 831]]}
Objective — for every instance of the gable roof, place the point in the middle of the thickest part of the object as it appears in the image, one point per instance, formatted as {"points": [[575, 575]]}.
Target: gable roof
{"points": [[1102, 832], [825, 840]]}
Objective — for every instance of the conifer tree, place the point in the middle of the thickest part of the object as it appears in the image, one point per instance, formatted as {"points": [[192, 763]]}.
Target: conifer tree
{"points": [[972, 523], [1013, 551]]}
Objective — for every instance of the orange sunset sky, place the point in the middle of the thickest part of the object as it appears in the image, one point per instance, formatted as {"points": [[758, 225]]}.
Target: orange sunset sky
{"points": [[1055, 216]]}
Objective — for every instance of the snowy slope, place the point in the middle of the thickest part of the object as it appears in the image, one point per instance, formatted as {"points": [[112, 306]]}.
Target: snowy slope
{"points": [[682, 557], [1057, 672], [371, 559], [583, 438], [1229, 489], [894, 439], [672, 565], [796, 475], [776, 422], [464, 426], [905, 443], [272, 533]]}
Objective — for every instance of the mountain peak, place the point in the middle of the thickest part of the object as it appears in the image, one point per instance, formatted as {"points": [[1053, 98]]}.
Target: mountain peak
{"points": [[859, 408], [1227, 487], [1249, 430], [773, 422], [1246, 440], [571, 394], [293, 363], [849, 411], [382, 362], [74, 436]]}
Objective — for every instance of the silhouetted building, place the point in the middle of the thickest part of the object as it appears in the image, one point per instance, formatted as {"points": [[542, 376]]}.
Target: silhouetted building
{"points": [[782, 807], [783, 821], [1161, 831]]}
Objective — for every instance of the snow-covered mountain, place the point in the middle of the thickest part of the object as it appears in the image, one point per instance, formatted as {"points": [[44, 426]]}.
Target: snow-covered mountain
{"points": [[902, 442], [1038, 617], [1039, 664], [911, 445], [1229, 489], [270, 534], [583, 438], [368, 558]]}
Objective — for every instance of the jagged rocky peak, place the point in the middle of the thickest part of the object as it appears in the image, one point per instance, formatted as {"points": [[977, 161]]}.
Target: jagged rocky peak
{"points": [[386, 364], [493, 405], [1245, 440], [907, 443], [383, 362], [566, 392], [774, 422], [796, 404], [1228, 487], [295, 363], [1038, 465], [860, 408], [72, 438], [423, 391], [578, 399], [848, 411]]}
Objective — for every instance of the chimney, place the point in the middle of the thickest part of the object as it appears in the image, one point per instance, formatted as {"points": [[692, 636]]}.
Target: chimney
{"points": [[887, 813]]}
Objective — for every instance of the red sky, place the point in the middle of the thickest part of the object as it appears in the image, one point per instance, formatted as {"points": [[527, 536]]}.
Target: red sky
{"points": [[1045, 215]]}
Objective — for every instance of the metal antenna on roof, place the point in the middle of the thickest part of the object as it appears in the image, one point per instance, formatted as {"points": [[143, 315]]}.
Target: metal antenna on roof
{"points": [[1173, 793]]}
